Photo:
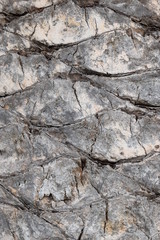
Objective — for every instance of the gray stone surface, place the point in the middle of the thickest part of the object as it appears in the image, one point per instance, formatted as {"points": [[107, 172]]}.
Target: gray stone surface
{"points": [[80, 120]]}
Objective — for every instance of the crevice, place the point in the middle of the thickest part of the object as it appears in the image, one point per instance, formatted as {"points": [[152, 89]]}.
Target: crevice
{"points": [[98, 192], [76, 184], [139, 104], [51, 48], [139, 112], [104, 161], [96, 29], [106, 217], [88, 3], [150, 194], [142, 146], [18, 207], [15, 16], [147, 24], [57, 226], [130, 34], [76, 50], [88, 155], [39, 162], [33, 31], [83, 163], [29, 207], [81, 234], [74, 209], [135, 159], [96, 134], [12, 232], [21, 64], [25, 204], [116, 163], [130, 126], [75, 93], [143, 104], [144, 22], [92, 145], [18, 91], [116, 11], [37, 212], [86, 17], [91, 72]]}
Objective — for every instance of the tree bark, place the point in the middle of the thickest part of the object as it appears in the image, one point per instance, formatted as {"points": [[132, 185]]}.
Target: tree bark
{"points": [[79, 120]]}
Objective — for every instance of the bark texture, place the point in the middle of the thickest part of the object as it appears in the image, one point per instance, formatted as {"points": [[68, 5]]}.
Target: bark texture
{"points": [[80, 120]]}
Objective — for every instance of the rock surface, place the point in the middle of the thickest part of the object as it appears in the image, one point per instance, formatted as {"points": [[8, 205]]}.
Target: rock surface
{"points": [[80, 120]]}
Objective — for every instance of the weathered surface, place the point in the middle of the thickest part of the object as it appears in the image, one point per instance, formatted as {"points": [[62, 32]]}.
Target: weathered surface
{"points": [[79, 120]]}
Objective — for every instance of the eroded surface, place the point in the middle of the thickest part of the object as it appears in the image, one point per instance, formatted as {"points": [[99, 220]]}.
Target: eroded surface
{"points": [[79, 120]]}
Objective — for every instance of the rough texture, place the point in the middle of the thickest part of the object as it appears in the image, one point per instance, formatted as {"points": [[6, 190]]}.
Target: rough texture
{"points": [[80, 120]]}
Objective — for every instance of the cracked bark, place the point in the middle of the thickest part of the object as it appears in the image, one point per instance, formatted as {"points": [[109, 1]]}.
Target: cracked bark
{"points": [[79, 120]]}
